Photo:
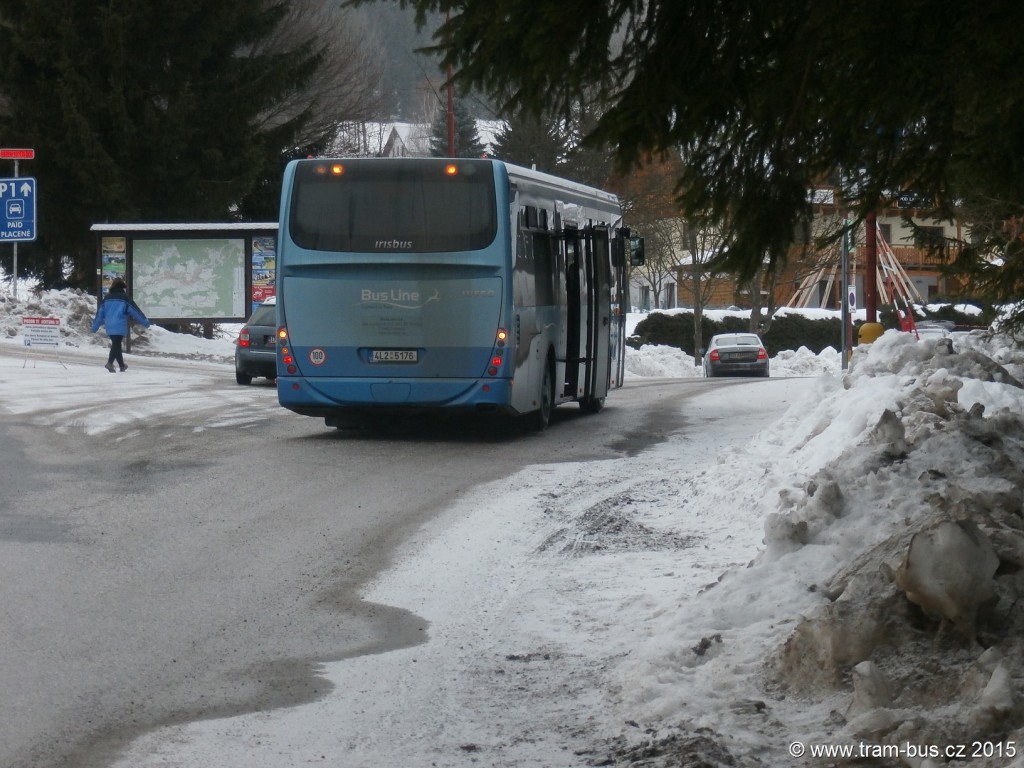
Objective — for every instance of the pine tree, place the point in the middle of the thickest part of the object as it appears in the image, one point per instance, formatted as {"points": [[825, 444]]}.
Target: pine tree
{"points": [[467, 138], [531, 142], [142, 110]]}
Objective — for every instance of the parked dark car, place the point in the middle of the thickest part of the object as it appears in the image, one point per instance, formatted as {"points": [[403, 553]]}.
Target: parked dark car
{"points": [[256, 345], [731, 354]]}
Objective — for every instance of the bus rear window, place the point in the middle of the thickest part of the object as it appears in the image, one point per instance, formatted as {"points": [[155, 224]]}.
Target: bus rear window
{"points": [[413, 206]]}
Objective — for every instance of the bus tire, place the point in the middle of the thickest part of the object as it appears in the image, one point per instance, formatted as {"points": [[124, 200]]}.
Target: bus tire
{"points": [[540, 418]]}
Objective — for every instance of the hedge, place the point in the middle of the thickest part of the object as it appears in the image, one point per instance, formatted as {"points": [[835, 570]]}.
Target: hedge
{"points": [[790, 331]]}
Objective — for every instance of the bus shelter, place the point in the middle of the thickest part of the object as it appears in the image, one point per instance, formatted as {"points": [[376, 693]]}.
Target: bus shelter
{"points": [[189, 273]]}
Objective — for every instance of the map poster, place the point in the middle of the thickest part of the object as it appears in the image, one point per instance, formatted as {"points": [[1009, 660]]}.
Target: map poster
{"points": [[186, 278], [112, 261]]}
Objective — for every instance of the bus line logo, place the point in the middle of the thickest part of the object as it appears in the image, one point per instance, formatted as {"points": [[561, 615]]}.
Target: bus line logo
{"points": [[317, 356], [397, 297]]}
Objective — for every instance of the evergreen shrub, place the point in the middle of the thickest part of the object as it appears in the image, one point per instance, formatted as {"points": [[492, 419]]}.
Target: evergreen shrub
{"points": [[790, 331]]}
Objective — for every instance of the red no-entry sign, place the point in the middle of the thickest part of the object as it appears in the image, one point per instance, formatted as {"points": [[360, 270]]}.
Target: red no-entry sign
{"points": [[17, 154]]}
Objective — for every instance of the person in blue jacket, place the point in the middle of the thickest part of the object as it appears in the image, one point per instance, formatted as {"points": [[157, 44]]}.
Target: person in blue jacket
{"points": [[113, 313]]}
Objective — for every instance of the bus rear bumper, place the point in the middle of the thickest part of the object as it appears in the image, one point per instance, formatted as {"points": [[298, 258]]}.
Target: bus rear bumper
{"points": [[329, 396]]}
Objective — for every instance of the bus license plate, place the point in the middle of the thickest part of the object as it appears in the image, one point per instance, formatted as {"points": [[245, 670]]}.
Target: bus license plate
{"points": [[394, 356]]}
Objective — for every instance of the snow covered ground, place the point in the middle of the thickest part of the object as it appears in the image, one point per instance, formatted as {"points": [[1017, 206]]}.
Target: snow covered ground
{"points": [[847, 579]]}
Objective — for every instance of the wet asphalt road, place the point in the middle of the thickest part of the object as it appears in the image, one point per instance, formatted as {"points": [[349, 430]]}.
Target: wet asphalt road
{"points": [[191, 567]]}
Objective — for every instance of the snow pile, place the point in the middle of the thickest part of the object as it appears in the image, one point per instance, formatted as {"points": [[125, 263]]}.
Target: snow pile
{"points": [[660, 361], [885, 606], [75, 309]]}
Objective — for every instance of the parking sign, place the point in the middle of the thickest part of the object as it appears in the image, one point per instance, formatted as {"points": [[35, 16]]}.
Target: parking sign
{"points": [[17, 209]]}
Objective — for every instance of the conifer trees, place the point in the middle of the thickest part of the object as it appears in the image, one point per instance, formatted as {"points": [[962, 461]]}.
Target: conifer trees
{"points": [[149, 110], [467, 139]]}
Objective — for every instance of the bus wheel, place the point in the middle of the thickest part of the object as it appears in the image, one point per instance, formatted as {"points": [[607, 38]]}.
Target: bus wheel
{"points": [[592, 404], [540, 418]]}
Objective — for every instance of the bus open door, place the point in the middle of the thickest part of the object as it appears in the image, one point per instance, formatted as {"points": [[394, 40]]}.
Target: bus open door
{"points": [[599, 320]]}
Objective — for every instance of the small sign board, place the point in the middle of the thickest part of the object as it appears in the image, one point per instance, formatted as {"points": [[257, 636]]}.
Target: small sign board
{"points": [[12, 153], [18, 209], [41, 331]]}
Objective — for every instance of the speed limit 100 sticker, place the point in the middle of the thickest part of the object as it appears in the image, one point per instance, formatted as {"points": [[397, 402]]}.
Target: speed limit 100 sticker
{"points": [[317, 356]]}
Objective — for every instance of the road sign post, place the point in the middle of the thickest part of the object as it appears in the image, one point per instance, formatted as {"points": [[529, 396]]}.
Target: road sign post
{"points": [[19, 222], [17, 209]]}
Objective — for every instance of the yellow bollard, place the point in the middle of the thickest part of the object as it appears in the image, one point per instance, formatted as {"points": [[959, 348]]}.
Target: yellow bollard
{"points": [[868, 332]]}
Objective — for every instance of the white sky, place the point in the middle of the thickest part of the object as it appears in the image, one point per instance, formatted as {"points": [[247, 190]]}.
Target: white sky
{"points": [[541, 644]]}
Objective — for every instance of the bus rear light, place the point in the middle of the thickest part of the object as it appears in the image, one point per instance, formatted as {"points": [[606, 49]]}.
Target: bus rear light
{"points": [[502, 337], [492, 371], [496, 361], [292, 370], [451, 169], [288, 360], [337, 169], [282, 333]]}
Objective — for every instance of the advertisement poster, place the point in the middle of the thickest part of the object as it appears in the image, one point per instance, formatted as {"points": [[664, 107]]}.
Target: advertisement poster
{"points": [[112, 261], [264, 264]]}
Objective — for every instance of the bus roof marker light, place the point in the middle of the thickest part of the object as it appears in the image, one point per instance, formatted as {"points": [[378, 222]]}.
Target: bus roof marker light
{"points": [[451, 169], [337, 169]]}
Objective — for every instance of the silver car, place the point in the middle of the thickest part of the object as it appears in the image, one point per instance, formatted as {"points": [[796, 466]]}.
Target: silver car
{"points": [[732, 354]]}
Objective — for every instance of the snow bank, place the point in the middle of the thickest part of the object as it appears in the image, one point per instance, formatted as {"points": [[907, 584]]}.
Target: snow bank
{"points": [[884, 605]]}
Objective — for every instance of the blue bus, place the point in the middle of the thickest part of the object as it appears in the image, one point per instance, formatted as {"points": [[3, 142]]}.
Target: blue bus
{"points": [[441, 285]]}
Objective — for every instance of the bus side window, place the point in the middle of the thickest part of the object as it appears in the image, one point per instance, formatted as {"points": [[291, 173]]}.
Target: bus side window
{"points": [[523, 280], [544, 267]]}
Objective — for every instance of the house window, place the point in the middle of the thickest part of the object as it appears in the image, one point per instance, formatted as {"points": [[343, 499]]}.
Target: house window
{"points": [[670, 296], [885, 230], [928, 237]]}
